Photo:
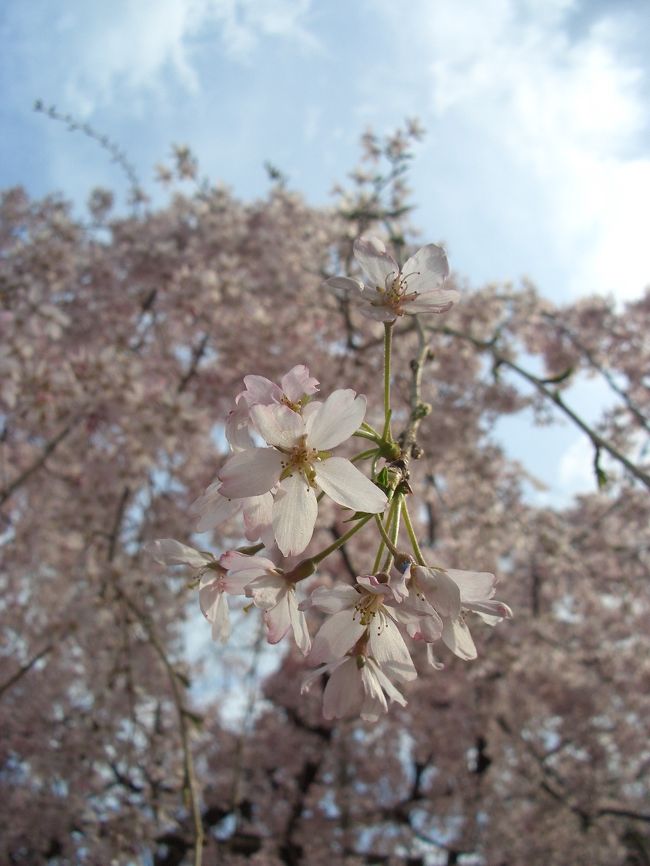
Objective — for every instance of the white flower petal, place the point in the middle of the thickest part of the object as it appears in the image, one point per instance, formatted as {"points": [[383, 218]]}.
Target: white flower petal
{"points": [[258, 514], [432, 302], [345, 484], [237, 428], [388, 649], [297, 383], [250, 473], [457, 637], [332, 600], [338, 418], [386, 684], [215, 510], [439, 590], [277, 621], [278, 425], [427, 269], [168, 551], [343, 286], [473, 585], [294, 515], [377, 263], [343, 693], [298, 624], [336, 636]]}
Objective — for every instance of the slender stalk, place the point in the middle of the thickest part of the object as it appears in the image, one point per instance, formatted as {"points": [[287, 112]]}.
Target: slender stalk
{"points": [[411, 534], [190, 782], [380, 549], [394, 534], [388, 340]]}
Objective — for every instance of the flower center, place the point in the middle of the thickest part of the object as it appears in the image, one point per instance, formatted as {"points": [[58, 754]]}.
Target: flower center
{"points": [[394, 293], [300, 459]]}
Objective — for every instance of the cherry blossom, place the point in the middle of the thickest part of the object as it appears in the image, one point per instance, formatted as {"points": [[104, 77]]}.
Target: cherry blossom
{"points": [[299, 460], [275, 594], [391, 292], [359, 616], [295, 389], [439, 599]]}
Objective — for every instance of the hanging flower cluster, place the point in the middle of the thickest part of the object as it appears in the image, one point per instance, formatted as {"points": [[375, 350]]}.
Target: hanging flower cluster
{"points": [[282, 439]]}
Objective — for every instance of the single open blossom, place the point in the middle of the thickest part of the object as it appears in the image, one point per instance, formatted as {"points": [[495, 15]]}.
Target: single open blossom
{"points": [[389, 291], [273, 593], [215, 579], [439, 599], [362, 622], [297, 461], [294, 390]]}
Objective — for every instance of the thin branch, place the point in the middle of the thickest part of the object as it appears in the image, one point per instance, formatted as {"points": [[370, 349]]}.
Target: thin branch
{"points": [[25, 669], [190, 785], [599, 442], [49, 449]]}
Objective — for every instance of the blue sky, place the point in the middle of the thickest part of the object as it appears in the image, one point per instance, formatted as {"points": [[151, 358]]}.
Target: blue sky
{"points": [[537, 157]]}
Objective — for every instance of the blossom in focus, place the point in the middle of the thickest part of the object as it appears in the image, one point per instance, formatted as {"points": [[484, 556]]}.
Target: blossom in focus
{"points": [[215, 580], [442, 596], [389, 291], [273, 593], [297, 461], [361, 621], [294, 390]]}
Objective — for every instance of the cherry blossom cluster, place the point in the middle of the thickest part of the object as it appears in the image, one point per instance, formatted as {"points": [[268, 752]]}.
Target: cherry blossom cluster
{"points": [[282, 439]]}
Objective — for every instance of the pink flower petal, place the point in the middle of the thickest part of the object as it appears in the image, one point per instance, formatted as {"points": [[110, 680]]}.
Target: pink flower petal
{"points": [[337, 419], [278, 425], [294, 515], [375, 260], [250, 473], [345, 484], [297, 383]]}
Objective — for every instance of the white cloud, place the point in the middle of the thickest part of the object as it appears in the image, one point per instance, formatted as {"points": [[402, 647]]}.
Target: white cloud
{"points": [[563, 105], [576, 468], [133, 49]]}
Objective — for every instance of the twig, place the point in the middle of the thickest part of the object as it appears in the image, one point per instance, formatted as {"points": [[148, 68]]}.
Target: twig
{"points": [[554, 396], [190, 786]]}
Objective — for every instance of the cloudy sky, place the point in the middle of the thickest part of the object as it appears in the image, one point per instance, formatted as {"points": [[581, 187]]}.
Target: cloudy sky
{"points": [[537, 157]]}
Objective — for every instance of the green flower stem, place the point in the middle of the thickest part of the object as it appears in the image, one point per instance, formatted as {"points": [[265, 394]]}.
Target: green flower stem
{"points": [[411, 534], [365, 434], [387, 523], [394, 532], [388, 542], [388, 335], [364, 455], [342, 540]]}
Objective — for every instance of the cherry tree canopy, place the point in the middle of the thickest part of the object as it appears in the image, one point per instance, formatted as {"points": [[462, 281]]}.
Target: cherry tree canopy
{"points": [[124, 341]]}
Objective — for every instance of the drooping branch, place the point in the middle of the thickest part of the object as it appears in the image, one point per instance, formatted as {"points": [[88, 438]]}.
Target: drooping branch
{"points": [[554, 396]]}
